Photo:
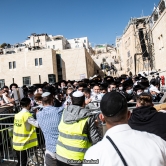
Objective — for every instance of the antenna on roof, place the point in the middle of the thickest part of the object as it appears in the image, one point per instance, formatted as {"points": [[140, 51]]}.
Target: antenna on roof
{"points": [[142, 15], [154, 7]]}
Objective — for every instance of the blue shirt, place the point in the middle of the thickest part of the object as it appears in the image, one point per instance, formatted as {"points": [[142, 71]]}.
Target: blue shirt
{"points": [[49, 119]]}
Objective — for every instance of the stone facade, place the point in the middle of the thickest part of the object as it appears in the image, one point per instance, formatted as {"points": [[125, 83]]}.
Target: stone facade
{"points": [[159, 37], [25, 66], [104, 54], [129, 48], [76, 63]]}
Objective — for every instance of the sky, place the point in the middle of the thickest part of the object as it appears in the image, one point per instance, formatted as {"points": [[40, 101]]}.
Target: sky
{"points": [[99, 20]]}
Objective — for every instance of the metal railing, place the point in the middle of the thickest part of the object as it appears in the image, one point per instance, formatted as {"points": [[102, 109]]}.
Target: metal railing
{"points": [[7, 153], [36, 154]]}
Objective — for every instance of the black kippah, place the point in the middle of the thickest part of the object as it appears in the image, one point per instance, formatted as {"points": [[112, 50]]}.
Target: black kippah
{"points": [[113, 103]]}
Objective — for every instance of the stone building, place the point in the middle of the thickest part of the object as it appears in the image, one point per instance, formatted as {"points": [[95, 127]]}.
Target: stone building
{"points": [[38, 66], [132, 47], [105, 60], [158, 27]]}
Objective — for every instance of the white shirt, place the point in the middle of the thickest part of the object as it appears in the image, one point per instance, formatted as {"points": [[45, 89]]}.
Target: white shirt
{"points": [[138, 148], [95, 96]]}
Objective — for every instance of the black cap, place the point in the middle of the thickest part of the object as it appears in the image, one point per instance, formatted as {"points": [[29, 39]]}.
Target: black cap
{"points": [[113, 103]]}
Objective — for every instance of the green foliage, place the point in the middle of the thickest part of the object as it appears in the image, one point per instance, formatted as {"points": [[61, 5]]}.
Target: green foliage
{"points": [[3, 45]]}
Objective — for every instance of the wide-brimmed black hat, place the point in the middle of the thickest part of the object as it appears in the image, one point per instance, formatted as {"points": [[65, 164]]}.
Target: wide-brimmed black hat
{"points": [[127, 83], [138, 87], [123, 76], [145, 84]]}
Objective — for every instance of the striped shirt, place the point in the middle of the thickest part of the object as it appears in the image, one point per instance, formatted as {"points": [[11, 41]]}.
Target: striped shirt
{"points": [[49, 119]]}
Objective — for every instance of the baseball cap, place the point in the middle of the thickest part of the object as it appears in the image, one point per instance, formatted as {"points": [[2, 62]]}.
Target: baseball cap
{"points": [[153, 88], [113, 103]]}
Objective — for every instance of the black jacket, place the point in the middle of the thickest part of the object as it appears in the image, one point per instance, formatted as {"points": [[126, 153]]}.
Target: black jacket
{"points": [[147, 119]]}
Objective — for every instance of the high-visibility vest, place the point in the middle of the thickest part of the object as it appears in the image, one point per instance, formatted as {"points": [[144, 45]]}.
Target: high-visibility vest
{"points": [[23, 139], [72, 143]]}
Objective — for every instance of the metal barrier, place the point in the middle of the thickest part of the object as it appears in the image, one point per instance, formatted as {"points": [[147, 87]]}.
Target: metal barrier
{"points": [[35, 154], [8, 110]]}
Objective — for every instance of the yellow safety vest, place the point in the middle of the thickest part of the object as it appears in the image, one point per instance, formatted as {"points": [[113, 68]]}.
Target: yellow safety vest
{"points": [[72, 143], [23, 139]]}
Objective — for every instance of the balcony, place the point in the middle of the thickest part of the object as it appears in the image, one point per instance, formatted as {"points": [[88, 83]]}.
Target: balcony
{"points": [[157, 12]]}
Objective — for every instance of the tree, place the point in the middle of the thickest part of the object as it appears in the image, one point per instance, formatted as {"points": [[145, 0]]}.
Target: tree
{"points": [[3, 45]]}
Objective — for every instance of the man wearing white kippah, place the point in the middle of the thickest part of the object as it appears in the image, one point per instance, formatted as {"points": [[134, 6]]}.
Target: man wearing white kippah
{"points": [[77, 132], [48, 120]]}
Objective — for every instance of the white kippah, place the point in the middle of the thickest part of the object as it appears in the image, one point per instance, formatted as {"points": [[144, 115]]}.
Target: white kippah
{"points": [[45, 94], [78, 94]]}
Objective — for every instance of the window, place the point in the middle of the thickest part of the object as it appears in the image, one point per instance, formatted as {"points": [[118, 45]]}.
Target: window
{"points": [[10, 65], [126, 44], [131, 60], [129, 41], [27, 81], [40, 61], [48, 46], [51, 78], [84, 41], [2, 83], [14, 64], [39, 79], [128, 62], [59, 66], [53, 46], [36, 61], [128, 53], [160, 42]]}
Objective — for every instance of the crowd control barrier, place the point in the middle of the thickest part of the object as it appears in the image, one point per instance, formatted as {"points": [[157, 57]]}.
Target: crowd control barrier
{"points": [[7, 153]]}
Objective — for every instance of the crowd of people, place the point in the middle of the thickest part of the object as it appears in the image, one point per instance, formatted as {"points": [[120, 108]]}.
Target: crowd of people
{"points": [[64, 112], [93, 89]]}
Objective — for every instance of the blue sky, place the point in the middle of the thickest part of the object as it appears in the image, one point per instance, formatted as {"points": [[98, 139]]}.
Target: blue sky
{"points": [[100, 20]]}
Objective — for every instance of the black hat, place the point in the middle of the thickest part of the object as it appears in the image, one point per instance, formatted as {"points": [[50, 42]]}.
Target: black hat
{"points": [[145, 84], [136, 78], [127, 83], [85, 80], [38, 85], [62, 81], [109, 78], [118, 81], [138, 87], [113, 103], [81, 84], [143, 78], [103, 85], [123, 76]]}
